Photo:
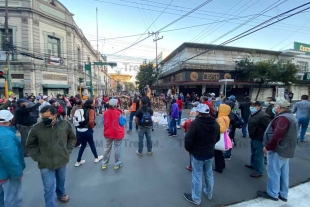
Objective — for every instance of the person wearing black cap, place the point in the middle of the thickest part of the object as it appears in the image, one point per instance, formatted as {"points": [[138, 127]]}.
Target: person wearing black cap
{"points": [[258, 123], [144, 121], [24, 120]]}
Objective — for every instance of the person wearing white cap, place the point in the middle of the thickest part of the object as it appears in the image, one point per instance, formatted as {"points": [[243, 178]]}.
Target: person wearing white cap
{"points": [[12, 163], [114, 121], [45, 103], [201, 148]]}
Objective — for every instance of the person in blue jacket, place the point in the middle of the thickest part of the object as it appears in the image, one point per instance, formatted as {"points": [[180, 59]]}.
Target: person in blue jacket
{"points": [[174, 114], [12, 162]]}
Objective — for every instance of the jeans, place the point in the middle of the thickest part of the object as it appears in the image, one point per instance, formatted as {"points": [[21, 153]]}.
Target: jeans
{"points": [[303, 123], [257, 156], [48, 178], [198, 167], [173, 127], [11, 193], [86, 137], [278, 175], [168, 121], [244, 128], [108, 149], [24, 131], [179, 119], [69, 111], [132, 114], [148, 135]]}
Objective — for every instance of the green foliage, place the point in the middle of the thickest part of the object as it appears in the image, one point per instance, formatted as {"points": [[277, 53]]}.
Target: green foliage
{"points": [[147, 75], [129, 86], [266, 72]]}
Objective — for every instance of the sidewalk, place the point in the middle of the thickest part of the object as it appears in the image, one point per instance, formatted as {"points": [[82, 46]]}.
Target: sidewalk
{"points": [[298, 196]]}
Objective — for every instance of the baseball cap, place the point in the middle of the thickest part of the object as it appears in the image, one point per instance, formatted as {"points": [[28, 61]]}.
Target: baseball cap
{"points": [[212, 94], [113, 102], [45, 96], [282, 103], [5, 116], [232, 97], [202, 108], [20, 101]]}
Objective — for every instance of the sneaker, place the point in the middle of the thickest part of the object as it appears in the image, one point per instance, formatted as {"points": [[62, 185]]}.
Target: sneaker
{"points": [[129, 131], [138, 153], [282, 199], [227, 158], [188, 197], [174, 135], [149, 153], [118, 165], [264, 194], [189, 168], [99, 158], [77, 164], [103, 167], [179, 127], [170, 135]]}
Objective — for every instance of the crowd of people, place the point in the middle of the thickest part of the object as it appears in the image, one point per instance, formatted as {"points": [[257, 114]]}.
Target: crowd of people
{"points": [[47, 124]]}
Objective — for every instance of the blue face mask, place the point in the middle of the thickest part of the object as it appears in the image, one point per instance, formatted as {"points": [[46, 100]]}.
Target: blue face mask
{"points": [[266, 103], [253, 110], [273, 111]]}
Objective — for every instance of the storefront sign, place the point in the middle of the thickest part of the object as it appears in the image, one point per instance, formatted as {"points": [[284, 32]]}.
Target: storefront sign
{"points": [[302, 47], [55, 77], [211, 77], [179, 77]]}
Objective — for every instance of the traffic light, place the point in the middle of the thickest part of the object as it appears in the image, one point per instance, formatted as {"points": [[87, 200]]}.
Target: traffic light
{"points": [[81, 80], [2, 74]]}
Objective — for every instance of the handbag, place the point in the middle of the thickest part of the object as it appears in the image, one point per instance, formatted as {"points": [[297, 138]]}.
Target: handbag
{"points": [[224, 143]]}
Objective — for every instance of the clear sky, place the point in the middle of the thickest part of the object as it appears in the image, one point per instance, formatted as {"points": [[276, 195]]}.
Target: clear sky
{"points": [[118, 18]]}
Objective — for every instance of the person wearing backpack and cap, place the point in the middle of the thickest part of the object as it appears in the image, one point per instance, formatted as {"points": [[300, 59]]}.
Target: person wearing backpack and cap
{"points": [[114, 121], [12, 163], [144, 121]]}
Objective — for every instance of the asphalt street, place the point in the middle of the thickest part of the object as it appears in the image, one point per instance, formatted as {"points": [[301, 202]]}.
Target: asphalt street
{"points": [[157, 180]]}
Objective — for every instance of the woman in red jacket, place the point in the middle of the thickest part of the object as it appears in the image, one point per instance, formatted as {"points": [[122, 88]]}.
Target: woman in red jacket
{"points": [[113, 121]]}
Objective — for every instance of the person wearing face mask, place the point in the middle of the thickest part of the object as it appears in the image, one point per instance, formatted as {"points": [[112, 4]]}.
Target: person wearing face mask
{"points": [[280, 139], [269, 108], [12, 163], [245, 113], [258, 122], [50, 143], [24, 121]]}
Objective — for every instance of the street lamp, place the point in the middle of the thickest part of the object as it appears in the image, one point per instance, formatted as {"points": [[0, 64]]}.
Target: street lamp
{"points": [[225, 83]]}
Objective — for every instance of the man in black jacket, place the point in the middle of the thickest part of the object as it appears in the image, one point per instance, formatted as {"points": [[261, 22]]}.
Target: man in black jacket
{"points": [[258, 124], [201, 148], [245, 113], [24, 121]]}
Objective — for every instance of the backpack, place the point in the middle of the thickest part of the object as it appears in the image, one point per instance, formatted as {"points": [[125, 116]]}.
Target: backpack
{"points": [[146, 120], [80, 118], [238, 121]]}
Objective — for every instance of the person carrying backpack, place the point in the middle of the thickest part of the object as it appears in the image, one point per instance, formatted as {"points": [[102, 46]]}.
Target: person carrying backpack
{"points": [[114, 121], [144, 121], [85, 130]]}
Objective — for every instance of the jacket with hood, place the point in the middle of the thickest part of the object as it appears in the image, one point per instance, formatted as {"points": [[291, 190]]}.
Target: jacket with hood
{"points": [[51, 146], [174, 110], [200, 139], [222, 117]]}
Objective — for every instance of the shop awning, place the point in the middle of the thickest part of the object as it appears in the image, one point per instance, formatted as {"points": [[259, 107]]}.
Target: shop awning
{"points": [[14, 85], [54, 86]]}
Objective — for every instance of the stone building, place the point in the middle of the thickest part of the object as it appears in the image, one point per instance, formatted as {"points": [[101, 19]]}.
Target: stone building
{"points": [[203, 73], [49, 50]]}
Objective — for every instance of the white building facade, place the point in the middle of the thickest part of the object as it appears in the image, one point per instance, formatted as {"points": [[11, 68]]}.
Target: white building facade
{"points": [[49, 50], [203, 73]]}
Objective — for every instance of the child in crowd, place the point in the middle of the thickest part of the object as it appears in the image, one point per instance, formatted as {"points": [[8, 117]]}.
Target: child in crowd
{"points": [[185, 125]]}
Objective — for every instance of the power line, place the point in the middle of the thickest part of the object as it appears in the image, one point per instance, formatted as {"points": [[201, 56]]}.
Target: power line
{"points": [[246, 33]]}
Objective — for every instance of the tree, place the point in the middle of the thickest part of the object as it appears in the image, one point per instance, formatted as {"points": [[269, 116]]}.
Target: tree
{"points": [[129, 86], [265, 72], [147, 75]]}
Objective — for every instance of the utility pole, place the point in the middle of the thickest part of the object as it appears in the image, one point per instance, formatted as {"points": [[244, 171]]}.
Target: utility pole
{"points": [[157, 71], [7, 44], [98, 77]]}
